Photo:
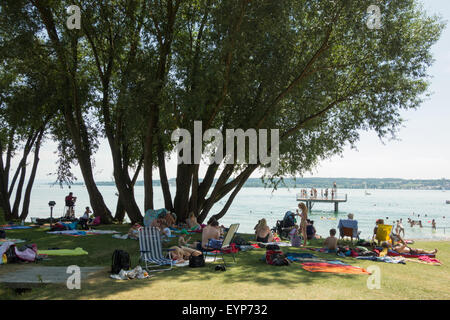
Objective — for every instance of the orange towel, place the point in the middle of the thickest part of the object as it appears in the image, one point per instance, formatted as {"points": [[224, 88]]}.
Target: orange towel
{"points": [[332, 268]]}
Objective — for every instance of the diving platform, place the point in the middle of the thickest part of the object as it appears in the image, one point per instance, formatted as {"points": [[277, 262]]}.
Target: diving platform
{"points": [[310, 200]]}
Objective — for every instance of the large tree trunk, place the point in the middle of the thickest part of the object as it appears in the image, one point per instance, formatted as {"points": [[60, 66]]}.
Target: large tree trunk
{"points": [[183, 183], [163, 179], [27, 197]]}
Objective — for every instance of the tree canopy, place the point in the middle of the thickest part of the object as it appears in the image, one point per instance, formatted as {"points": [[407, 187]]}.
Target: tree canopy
{"points": [[138, 70]]}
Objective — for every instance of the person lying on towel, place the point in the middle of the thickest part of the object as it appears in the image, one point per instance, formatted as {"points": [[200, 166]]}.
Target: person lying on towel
{"points": [[402, 247]]}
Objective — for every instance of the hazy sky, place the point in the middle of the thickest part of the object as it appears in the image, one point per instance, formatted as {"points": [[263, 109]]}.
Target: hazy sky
{"points": [[422, 151]]}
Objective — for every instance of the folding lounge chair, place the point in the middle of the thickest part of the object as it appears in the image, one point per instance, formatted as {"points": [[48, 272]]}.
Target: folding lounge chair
{"points": [[151, 249], [225, 243], [348, 228], [346, 232], [383, 232]]}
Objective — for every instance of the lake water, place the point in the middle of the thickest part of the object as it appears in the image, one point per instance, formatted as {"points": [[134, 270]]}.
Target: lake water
{"points": [[252, 204]]}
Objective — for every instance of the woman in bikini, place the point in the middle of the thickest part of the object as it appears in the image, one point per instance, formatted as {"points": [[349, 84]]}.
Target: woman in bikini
{"points": [[304, 217], [402, 247], [262, 231]]}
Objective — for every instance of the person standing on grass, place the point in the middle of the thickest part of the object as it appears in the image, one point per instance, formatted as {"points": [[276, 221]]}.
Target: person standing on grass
{"points": [[303, 217]]}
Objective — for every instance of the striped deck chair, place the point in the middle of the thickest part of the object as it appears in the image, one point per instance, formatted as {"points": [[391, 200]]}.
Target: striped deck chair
{"points": [[151, 249], [226, 243]]}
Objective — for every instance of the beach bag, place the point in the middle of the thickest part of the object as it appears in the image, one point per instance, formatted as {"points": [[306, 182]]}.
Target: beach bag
{"points": [[120, 261], [272, 247], [272, 254], [196, 261], [2, 234], [239, 241], [11, 256]]}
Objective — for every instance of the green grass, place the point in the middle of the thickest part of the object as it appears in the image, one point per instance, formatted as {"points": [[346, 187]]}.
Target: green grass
{"points": [[250, 278]]}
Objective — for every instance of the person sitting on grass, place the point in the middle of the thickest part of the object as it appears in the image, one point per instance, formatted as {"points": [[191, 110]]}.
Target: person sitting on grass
{"points": [[296, 241], [330, 243], [262, 232], [85, 219], [375, 230], [192, 223], [182, 242], [133, 233], [310, 230], [211, 231]]}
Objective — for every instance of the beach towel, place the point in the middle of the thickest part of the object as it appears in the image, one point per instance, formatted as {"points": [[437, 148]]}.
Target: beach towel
{"points": [[69, 232], [64, 252], [280, 244], [332, 268], [254, 245], [429, 260], [300, 255], [11, 227], [12, 240], [386, 259]]}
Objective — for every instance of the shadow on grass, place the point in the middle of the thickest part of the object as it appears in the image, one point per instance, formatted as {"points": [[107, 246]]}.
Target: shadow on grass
{"points": [[250, 268]]}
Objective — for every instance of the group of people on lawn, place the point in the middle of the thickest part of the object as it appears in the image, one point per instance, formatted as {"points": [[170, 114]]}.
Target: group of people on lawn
{"points": [[308, 232]]}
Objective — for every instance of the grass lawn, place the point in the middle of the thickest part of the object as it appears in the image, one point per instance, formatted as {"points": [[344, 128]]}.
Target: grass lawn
{"points": [[250, 278]]}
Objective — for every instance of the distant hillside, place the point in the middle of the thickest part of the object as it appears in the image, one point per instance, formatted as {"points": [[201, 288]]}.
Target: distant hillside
{"points": [[344, 183]]}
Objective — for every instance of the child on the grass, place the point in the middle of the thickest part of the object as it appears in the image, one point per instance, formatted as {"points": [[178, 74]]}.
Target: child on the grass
{"points": [[330, 243]]}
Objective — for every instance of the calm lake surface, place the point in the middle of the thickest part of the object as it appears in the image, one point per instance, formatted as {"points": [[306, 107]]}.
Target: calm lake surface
{"points": [[252, 204]]}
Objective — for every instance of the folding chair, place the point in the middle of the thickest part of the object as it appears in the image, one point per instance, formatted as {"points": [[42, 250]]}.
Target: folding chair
{"points": [[383, 233], [226, 243], [151, 249], [347, 232]]}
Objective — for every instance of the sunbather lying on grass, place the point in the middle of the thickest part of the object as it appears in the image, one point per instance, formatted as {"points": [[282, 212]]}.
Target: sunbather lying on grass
{"points": [[183, 253], [402, 247]]}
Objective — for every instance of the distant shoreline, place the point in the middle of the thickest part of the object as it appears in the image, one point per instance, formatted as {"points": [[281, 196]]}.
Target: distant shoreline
{"points": [[323, 183]]}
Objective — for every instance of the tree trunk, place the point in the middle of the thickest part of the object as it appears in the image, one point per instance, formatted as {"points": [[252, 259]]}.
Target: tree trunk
{"points": [[15, 209], [163, 178], [27, 197], [183, 182], [120, 210]]}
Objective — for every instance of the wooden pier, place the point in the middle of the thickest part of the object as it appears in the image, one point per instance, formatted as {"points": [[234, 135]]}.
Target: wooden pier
{"points": [[309, 201]]}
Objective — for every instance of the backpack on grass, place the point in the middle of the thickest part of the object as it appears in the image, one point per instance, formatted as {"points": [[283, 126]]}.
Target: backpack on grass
{"points": [[196, 261], [120, 261]]}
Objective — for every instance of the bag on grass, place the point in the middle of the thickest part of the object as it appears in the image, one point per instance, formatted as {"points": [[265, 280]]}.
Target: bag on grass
{"points": [[120, 261], [196, 261], [11, 256], [2, 234]]}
